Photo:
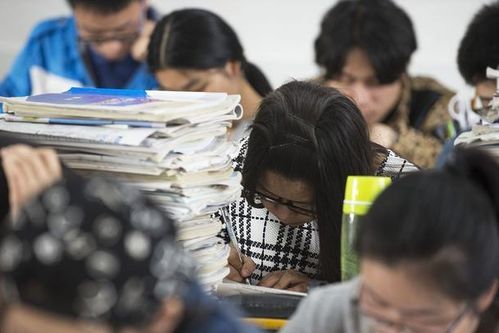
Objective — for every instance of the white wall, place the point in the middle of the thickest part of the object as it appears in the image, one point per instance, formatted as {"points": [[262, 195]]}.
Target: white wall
{"points": [[278, 35]]}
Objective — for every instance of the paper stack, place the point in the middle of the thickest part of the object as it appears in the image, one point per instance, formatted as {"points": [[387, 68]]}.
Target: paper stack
{"points": [[172, 145]]}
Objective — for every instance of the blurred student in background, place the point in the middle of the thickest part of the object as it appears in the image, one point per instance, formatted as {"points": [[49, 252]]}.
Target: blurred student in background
{"points": [[100, 45], [95, 256], [478, 50], [429, 258], [196, 50], [305, 140], [364, 48]]}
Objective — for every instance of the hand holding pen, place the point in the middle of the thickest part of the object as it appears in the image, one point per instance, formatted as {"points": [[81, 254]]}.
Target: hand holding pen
{"points": [[240, 265]]}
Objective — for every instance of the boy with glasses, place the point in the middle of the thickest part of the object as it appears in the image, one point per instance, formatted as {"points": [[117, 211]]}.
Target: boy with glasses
{"points": [[100, 45]]}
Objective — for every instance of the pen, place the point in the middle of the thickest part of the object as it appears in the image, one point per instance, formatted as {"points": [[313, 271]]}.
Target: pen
{"points": [[233, 240]]}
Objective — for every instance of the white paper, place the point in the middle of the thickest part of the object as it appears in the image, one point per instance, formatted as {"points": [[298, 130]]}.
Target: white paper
{"points": [[95, 134]]}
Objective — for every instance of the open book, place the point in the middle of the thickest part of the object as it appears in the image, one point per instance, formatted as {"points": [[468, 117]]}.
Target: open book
{"points": [[230, 288], [259, 302]]}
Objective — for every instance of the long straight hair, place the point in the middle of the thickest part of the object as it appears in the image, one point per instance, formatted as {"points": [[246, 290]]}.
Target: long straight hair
{"points": [[199, 39], [303, 131]]}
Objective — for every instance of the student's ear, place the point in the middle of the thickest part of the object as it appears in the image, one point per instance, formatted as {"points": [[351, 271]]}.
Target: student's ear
{"points": [[487, 297], [168, 317], [233, 68]]}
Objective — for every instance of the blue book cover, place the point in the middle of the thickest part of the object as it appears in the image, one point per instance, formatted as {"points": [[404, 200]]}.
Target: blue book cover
{"points": [[95, 96]]}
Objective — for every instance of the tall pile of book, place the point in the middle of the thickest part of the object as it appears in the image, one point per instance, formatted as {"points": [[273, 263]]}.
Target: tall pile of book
{"points": [[486, 134], [172, 145]]}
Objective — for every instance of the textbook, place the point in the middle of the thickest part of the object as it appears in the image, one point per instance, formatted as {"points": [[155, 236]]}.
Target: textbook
{"points": [[125, 105], [173, 146], [260, 303]]}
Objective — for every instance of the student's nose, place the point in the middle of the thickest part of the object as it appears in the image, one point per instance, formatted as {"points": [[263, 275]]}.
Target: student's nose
{"points": [[361, 95], [282, 212], [112, 50]]}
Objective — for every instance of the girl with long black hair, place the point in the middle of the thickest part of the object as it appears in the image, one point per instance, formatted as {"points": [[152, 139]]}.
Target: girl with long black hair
{"points": [[305, 141], [196, 50]]}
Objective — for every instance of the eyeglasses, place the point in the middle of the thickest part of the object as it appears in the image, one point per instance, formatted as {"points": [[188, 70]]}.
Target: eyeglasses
{"points": [[125, 38], [382, 324], [259, 198]]}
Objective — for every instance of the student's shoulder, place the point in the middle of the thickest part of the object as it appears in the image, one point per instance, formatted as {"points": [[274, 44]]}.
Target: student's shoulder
{"points": [[426, 83], [392, 165], [339, 291], [53, 27], [327, 309]]}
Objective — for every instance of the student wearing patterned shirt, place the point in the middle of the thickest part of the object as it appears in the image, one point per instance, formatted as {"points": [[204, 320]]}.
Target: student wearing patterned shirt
{"points": [[91, 255], [305, 141]]}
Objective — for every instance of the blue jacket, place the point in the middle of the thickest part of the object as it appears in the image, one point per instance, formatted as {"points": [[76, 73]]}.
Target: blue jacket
{"points": [[51, 62]]}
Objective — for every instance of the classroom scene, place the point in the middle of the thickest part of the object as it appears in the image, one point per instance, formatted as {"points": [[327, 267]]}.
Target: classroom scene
{"points": [[234, 166]]}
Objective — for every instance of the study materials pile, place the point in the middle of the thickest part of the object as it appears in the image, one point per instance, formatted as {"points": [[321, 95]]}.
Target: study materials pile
{"points": [[486, 134], [172, 145]]}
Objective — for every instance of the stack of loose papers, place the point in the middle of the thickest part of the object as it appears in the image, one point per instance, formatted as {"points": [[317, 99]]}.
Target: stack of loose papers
{"points": [[172, 145], [485, 135]]}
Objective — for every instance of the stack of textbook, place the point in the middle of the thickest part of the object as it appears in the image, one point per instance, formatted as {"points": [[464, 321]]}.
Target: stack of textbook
{"points": [[172, 145]]}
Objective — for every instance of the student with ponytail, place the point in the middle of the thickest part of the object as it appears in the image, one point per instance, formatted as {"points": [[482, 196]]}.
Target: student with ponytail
{"points": [[429, 257], [305, 141], [196, 50]]}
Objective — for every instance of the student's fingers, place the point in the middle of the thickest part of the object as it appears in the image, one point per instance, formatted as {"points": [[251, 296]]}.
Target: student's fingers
{"points": [[16, 180], [12, 178], [286, 280], [24, 161], [271, 279], [290, 279], [302, 288], [234, 274], [52, 164], [33, 161], [234, 259], [36, 175], [139, 47], [28, 171], [248, 267]]}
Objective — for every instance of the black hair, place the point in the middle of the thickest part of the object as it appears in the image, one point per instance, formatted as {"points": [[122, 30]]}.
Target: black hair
{"points": [[378, 27], [479, 47], [446, 220], [101, 6], [199, 39], [303, 131]]}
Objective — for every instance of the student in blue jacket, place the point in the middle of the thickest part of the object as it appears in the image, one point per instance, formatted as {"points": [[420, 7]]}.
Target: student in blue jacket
{"points": [[98, 46]]}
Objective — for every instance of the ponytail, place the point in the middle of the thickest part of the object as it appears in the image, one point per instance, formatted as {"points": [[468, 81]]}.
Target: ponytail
{"points": [[256, 78]]}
